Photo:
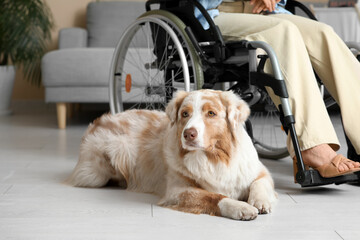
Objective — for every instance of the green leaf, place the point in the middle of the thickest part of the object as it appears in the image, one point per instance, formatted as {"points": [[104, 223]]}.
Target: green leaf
{"points": [[25, 31]]}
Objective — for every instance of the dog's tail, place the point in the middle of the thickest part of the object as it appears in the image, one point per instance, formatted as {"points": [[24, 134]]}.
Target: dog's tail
{"points": [[100, 163], [88, 174]]}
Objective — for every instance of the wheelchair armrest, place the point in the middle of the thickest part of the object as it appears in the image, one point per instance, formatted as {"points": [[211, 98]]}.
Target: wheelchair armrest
{"points": [[237, 44]]}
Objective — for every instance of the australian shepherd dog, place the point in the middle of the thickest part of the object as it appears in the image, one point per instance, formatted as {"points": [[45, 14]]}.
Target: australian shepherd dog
{"points": [[196, 156]]}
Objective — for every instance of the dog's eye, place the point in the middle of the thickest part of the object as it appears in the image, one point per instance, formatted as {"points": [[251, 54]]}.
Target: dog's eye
{"points": [[211, 114], [184, 114]]}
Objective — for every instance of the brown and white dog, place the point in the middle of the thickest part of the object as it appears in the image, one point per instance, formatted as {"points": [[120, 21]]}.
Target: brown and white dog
{"points": [[197, 156]]}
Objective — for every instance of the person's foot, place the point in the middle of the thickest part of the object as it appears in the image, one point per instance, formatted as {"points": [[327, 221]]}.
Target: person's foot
{"points": [[322, 155]]}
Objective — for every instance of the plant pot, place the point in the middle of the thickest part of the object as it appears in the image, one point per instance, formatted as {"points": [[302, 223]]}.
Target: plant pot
{"points": [[7, 78]]}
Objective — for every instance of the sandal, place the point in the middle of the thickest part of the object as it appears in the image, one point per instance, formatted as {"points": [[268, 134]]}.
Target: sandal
{"points": [[331, 169]]}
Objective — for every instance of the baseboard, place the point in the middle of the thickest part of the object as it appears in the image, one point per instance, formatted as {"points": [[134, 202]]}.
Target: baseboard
{"points": [[32, 106]]}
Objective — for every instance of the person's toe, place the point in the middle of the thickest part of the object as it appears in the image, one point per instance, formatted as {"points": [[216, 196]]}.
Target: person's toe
{"points": [[347, 165], [342, 167]]}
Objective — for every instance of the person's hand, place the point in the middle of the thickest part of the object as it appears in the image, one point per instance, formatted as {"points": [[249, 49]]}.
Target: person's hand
{"points": [[263, 5]]}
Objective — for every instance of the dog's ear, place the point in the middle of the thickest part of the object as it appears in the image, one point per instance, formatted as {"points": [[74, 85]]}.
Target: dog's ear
{"points": [[173, 106], [237, 110]]}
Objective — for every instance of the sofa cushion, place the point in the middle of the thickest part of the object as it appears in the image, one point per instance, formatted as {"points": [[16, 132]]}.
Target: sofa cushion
{"points": [[77, 67], [106, 21], [72, 38]]}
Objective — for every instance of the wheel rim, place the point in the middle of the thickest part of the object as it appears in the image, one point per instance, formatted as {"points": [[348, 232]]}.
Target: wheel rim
{"points": [[141, 78]]}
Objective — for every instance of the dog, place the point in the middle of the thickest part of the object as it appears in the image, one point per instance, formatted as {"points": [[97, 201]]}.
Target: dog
{"points": [[197, 156]]}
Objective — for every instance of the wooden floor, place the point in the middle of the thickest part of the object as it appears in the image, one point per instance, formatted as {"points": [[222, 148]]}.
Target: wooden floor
{"points": [[35, 157]]}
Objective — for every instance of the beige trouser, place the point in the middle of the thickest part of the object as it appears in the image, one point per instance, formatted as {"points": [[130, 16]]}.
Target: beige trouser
{"points": [[301, 45]]}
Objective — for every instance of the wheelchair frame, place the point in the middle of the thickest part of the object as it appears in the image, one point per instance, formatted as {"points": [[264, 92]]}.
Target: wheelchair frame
{"points": [[214, 43]]}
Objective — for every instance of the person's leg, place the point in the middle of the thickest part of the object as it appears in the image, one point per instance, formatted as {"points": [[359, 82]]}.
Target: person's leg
{"points": [[337, 67], [313, 124], [312, 129]]}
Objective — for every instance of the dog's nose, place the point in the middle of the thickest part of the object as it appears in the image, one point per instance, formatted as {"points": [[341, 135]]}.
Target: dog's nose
{"points": [[190, 134]]}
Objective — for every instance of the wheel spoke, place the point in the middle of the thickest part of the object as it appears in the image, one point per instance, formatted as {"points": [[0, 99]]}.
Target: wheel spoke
{"points": [[269, 138], [148, 53]]}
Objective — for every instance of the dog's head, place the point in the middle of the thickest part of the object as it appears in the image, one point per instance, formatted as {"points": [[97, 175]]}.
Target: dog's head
{"points": [[207, 120]]}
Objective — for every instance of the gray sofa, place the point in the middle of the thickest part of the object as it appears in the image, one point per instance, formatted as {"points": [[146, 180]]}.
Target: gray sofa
{"points": [[78, 72]]}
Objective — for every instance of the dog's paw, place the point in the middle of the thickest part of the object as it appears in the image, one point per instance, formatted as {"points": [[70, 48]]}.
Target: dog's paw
{"points": [[237, 210], [264, 206]]}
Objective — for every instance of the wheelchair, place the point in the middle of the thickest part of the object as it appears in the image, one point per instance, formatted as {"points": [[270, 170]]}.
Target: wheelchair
{"points": [[167, 49]]}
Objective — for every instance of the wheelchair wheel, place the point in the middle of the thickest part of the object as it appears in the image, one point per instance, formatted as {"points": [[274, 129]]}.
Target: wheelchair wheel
{"points": [[268, 136], [153, 59]]}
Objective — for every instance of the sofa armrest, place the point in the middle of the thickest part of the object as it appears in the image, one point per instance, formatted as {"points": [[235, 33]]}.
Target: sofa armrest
{"points": [[72, 38]]}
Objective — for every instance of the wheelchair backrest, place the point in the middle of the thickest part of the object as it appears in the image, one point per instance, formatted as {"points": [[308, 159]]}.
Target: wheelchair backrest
{"points": [[185, 10]]}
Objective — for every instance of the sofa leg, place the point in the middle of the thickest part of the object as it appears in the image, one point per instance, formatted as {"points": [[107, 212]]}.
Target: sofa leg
{"points": [[61, 115]]}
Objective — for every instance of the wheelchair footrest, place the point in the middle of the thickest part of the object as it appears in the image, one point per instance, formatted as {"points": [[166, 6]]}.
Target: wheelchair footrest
{"points": [[312, 178]]}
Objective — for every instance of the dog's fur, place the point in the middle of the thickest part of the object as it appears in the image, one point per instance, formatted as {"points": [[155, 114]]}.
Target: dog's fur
{"points": [[197, 156]]}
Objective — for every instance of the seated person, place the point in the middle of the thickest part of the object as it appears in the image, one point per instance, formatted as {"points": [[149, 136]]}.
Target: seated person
{"points": [[302, 44]]}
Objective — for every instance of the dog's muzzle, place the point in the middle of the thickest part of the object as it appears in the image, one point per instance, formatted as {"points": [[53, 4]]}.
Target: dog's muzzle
{"points": [[190, 139]]}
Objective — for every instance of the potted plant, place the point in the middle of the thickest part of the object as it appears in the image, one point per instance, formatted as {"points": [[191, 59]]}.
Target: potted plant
{"points": [[25, 27]]}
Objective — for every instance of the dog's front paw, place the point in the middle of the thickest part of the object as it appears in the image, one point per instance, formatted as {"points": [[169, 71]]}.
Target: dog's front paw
{"points": [[263, 201], [237, 209], [264, 206], [263, 197]]}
